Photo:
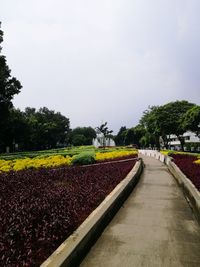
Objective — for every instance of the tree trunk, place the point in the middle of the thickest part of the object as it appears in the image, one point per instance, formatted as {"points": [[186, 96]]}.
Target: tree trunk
{"points": [[182, 141], [157, 142], [165, 140]]}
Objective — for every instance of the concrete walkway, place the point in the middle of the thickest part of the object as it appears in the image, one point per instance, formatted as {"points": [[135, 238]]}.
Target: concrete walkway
{"points": [[155, 227]]}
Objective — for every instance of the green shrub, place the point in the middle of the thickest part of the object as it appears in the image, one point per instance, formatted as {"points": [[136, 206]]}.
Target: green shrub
{"points": [[84, 158]]}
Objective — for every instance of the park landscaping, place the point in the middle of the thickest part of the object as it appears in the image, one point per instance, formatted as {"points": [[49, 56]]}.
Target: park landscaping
{"points": [[64, 157], [42, 205]]}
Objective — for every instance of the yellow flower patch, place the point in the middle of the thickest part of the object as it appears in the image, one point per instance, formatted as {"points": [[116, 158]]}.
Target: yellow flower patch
{"points": [[27, 163], [115, 154], [57, 160], [197, 161]]}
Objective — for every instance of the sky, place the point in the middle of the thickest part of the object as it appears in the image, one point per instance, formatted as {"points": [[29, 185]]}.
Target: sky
{"points": [[102, 60]]}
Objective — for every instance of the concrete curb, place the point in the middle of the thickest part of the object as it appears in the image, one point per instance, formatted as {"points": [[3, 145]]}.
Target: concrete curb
{"points": [[189, 190], [74, 248]]}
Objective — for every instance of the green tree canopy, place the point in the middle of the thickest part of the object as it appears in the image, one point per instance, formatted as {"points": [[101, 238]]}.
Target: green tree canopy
{"points": [[82, 136], [191, 120], [16, 129], [140, 132], [149, 122], [47, 128], [165, 120], [9, 86], [171, 118], [120, 137]]}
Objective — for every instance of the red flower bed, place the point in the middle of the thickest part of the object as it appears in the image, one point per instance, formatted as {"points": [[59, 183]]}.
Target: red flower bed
{"points": [[188, 167], [41, 208]]}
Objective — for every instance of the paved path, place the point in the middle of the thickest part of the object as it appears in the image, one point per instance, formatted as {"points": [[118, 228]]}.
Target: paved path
{"points": [[155, 227]]}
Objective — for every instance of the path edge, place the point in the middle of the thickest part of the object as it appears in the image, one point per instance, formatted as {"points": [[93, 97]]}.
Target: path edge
{"points": [[190, 191], [72, 251]]}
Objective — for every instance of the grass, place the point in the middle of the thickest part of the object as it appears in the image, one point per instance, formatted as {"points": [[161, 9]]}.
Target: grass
{"points": [[68, 151]]}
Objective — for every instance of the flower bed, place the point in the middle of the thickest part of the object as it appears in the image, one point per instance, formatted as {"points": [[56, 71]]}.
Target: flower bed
{"points": [[41, 208], [100, 156], [34, 163], [61, 160], [189, 166]]}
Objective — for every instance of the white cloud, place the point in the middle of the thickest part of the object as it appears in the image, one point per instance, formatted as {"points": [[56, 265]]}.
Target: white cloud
{"points": [[103, 60]]}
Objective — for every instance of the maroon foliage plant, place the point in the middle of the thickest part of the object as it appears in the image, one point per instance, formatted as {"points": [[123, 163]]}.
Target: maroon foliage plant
{"points": [[39, 209]]}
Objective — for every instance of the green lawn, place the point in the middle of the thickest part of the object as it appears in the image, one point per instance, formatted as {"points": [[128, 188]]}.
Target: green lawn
{"points": [[70, 151]]}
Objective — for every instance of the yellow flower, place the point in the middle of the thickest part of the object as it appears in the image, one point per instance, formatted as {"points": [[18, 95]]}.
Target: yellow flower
{"points": [[115, 154], [26, 163], [197, 161]]}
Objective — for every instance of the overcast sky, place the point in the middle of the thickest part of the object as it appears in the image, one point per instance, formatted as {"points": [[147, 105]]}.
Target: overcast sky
{"points": [[102, 60]]}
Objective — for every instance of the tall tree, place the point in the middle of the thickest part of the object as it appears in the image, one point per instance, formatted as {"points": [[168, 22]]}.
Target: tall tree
{"points": [[140, 132], [149, 122], [82, 136], [16, 130], [191, 120], [47, 128], [120, 137], [130, 137], [9, 86], [171, 119], [165, 120]]}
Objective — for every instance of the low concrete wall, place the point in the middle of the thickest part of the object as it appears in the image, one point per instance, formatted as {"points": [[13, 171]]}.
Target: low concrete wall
{"points": [[74, 248], [190, 191], [153, 153]]}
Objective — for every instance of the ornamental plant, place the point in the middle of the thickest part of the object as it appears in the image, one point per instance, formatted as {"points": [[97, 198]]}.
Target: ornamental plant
{"points": [[189, 165], [115, 154], [40, 208], [34, 163], [83, 158]]}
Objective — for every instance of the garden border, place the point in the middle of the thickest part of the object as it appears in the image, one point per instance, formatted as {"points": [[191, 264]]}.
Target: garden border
{"points": [[72, 251], [190, 191]]}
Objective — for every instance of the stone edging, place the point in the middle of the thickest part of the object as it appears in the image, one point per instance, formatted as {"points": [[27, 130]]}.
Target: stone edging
{"points": [[189, 190], [74, 248]]}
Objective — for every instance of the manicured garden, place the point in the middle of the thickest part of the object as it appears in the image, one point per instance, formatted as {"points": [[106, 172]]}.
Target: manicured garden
{"points": [[41, 205], [64, 157]]}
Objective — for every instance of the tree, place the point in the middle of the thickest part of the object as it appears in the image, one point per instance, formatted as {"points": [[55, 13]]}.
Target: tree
{"points": [[130, 136], [9, 86], [147, 140], [103, 129], [140, 132], [171, 119], [165, 120], [78, 140], [120, 137], [82, 136], [149, 122], [47, 128], [16, 130], [191, 120]]}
